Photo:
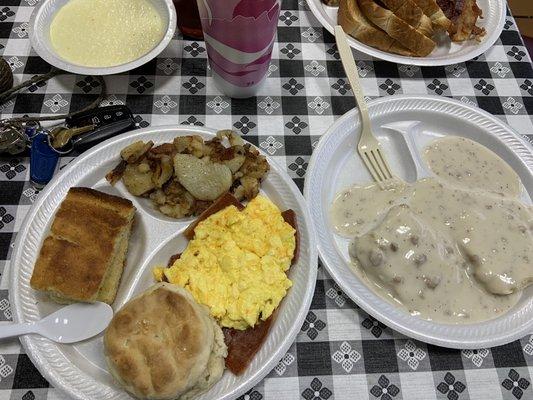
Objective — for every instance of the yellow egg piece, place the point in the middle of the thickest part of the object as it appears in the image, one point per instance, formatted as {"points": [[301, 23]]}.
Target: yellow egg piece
{"points": [[236, 263]]}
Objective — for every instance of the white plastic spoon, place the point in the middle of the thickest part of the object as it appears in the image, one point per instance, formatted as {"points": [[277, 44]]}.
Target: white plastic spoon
{"points": [[70, 324]]}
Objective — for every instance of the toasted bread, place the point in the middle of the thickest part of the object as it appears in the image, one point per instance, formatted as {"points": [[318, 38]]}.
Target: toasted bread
{"points": [[436, 15], [358, 26], [83, 257], [398, 29], [409, 11]]}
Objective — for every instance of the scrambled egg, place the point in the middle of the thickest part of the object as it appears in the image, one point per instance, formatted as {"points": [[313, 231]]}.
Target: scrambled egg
{"points": [[236, 264]]}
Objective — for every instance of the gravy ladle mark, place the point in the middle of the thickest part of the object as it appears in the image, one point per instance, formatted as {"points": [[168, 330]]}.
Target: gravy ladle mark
{"points": [[73, 323]]}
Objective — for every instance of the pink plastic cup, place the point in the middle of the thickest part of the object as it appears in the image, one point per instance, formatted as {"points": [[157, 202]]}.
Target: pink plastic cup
{"points": [[239, 35]]}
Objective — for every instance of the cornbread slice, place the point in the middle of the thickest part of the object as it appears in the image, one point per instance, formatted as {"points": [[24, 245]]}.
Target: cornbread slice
{"points": [[83, 257]]}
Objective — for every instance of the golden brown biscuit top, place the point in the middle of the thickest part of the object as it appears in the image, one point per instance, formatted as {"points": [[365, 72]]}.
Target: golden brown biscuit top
{"points": [[157, 343]]}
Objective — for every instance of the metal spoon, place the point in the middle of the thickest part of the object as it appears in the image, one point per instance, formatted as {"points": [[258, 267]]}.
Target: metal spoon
{"points": [[70, 324]]}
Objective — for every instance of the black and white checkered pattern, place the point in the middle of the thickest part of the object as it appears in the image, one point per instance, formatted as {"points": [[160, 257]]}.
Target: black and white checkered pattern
{"points": [[341, 352]]}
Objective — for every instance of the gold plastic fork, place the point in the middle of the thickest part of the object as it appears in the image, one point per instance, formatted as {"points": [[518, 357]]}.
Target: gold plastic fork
{"points": [[369, 147]]}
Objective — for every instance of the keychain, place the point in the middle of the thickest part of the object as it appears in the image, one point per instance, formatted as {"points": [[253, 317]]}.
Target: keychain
{"points": [[47, 145], [12, 139], [82, 129], [16, 133], [43, 160]]}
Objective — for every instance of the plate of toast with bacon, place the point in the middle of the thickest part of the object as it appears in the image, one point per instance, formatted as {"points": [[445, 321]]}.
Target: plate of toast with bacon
{"points": [[201, 244], [416, 32]]}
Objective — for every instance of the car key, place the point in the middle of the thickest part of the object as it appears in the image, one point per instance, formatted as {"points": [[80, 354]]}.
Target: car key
{"points": [[61, 135]]}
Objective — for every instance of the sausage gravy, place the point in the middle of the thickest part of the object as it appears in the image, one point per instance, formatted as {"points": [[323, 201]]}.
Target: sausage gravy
{"points": [[464, 162], [456, 248]]}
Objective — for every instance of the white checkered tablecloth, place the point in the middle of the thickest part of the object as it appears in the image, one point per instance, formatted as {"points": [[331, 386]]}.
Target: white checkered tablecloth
{"points": [[341, 352]]}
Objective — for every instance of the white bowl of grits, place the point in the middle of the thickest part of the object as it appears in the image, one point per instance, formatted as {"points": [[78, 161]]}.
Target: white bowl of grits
{"points": [[448, 257], [101, 37]]}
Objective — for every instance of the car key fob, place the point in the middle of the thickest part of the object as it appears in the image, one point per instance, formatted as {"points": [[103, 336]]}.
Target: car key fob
{"points": [[107, 121], [100, 116]]}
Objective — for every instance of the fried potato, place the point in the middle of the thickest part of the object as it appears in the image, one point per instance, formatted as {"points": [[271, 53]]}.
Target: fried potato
{"points": [[138, 179], [135, 151], [190, 145], [233, 138], [184, 177], [163, 171], [205, 180]]}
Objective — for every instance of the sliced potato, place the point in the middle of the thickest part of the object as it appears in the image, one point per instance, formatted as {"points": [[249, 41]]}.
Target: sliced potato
{"points": [[163, 149], [204, 179], [235, 163], [231, 135], [248, 188], [232, 157], [164, 170], [137, 182], [135, 151], [190, 145], [174, 200], [183, 208], [116, 173], [255, 165], [184, 177]]}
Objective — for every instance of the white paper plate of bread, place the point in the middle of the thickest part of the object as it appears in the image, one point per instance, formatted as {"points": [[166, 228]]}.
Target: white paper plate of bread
{"points": [[416, 32], [201, 244]]}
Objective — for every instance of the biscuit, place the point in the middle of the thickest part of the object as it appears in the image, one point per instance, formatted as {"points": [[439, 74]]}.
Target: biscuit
{"points": [[163, 345]]}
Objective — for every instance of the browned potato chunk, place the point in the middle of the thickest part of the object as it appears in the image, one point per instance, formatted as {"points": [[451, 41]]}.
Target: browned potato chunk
{"points": [[190, 145], [163, 171], [138, 179], [135, 151]]}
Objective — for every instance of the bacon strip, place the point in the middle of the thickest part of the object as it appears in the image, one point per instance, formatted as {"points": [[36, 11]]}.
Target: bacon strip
{"points": [[173, 259], [242, 345]]}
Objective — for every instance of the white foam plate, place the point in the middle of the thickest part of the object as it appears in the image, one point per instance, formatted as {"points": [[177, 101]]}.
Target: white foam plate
{"points": [[335, 164], [80, 369], [445, 53]]}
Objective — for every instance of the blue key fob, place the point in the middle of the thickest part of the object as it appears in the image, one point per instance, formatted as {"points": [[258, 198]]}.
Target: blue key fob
{"points": [[43, 160]]}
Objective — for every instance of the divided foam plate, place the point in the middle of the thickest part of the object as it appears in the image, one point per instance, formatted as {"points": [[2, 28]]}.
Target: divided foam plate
{"points": [[335, 164], [80, 369]]}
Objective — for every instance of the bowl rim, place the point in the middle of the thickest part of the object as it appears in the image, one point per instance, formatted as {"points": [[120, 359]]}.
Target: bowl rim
{"points": [[46, 52]]}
